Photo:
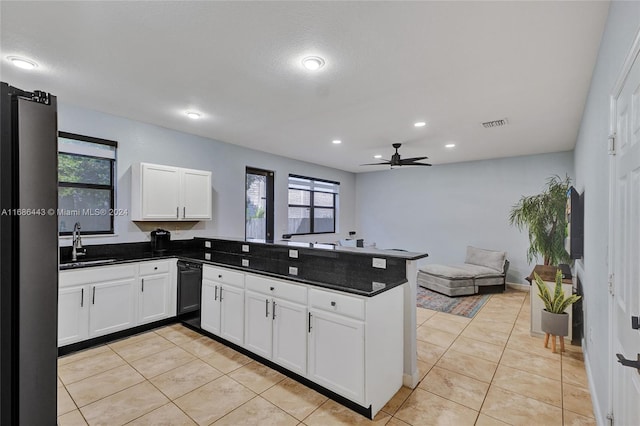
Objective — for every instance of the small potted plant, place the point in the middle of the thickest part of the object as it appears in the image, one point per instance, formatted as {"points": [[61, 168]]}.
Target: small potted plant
{"points": [[554, 321]]}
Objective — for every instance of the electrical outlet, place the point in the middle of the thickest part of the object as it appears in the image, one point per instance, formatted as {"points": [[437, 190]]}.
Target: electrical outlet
{"points": [[207, 244], [379, 262], [293, 254], [207, 256], [245, 263], [245, 248], [293, 270]]}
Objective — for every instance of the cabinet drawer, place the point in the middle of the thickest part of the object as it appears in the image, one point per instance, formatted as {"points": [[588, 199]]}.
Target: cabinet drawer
{"points": [[225, 276], [338, 303], [96, 274], [280, 289], [155, 267]]}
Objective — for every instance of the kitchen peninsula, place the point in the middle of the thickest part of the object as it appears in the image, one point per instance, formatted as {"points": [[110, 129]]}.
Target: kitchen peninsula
{"points": [[341, 319]]}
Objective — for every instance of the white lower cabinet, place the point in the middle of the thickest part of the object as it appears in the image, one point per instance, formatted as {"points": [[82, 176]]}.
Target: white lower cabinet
{"points": [[222, 305], [154, 298], [336, 354], [73, 315], [112, 307], [97, 301], [276, 321]]}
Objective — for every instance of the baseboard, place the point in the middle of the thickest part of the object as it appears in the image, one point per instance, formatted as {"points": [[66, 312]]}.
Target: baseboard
{"points": [[411, 380], [519, 287], [601, 418]]}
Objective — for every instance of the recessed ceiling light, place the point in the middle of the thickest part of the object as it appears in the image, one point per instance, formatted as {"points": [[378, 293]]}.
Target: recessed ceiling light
{"points": [[450, 145], [377, 156], [313, 63], [25, 64], [420, 124], [336, 141], [193, 115]]}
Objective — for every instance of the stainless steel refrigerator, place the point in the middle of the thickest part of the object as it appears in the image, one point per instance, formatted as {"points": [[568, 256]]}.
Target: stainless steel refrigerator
{"points": [[28, 257]]}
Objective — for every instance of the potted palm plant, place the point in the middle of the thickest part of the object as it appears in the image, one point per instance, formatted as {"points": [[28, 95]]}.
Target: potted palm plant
{"points": [[544, 217], [554, 319]]}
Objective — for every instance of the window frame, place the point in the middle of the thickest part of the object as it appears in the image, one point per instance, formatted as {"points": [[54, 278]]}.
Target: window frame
{"points": [[112, 180], [312, 207]]}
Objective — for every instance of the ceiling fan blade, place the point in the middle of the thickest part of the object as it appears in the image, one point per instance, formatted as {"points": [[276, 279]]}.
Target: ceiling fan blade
{"points": [[414, 159], [377, 164], [416, 164]]}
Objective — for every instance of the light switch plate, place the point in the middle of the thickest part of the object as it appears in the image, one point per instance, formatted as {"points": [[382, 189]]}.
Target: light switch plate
{"points": [[207, 244], [379, 263], [293, 254], [245, 263], [245, 248], [293, 270]]}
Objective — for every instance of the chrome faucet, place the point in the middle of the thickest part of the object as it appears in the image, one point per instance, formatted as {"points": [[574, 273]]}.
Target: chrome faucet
{"points": [[77, 250]]}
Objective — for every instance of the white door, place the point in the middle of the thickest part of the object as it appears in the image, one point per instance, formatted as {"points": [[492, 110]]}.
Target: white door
{"points": [[153, 302], [112, 307], [290, 329], [72, 315], [336, 354], [625, 229], [232, 314], [258, 323], [210, 307], [160, 192], [196, 193]]}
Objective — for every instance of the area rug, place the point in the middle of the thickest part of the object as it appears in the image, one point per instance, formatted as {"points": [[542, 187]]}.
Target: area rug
{"points": [[466, 306]]}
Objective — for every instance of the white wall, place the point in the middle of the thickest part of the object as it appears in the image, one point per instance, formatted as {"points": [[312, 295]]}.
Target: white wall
{"points": [[442, 209], [592, 177], [149, 143]]}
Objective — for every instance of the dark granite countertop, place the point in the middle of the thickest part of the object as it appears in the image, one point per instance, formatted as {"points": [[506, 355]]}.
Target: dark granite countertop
{"points": [[350, 282]]}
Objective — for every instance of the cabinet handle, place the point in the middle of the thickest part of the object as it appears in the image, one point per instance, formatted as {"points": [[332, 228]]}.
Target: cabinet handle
{"points": [[82, 298], [333, 303], [177, 212], [155, 268], [273, 309], [215, 295], [143, 285], [309, 322], [266, 308], [272, 288], [184, 212], [220, 294], [93, 298], [220, 276]]}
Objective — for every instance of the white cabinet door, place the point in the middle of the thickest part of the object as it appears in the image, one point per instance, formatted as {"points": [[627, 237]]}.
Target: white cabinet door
{"points": [[232, 314], [112, 307], [336, 354], [210, 307], [290, 335], [160, 192], [196, 195], [153, 299], [72, 315], [258, 323]]}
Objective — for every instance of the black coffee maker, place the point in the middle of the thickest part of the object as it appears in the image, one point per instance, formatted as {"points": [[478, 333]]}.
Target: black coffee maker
{"points": [[160, 239]]}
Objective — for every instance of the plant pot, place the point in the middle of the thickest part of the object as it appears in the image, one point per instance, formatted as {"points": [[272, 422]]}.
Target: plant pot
{"points": [[554, 324]]}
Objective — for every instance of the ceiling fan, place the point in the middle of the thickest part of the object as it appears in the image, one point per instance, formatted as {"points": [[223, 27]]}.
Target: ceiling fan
{"points": [[396, 161]]}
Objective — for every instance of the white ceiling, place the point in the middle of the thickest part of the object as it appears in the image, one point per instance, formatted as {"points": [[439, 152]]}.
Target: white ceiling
{"points": [[388, 65]]}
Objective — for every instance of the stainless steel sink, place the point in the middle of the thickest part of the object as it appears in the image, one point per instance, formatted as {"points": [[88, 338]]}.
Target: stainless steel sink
{"points": [[86, 263]]}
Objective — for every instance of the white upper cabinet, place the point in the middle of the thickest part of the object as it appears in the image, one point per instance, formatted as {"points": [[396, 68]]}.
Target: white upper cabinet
{"points": [[167, 193]]}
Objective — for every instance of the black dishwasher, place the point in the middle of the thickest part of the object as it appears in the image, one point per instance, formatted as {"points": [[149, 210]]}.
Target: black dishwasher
{"points": [[189, 292]]}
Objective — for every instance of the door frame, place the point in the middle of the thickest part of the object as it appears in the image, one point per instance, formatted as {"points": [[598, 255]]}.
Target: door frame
{"points": [[632, 56], [269, 211]]}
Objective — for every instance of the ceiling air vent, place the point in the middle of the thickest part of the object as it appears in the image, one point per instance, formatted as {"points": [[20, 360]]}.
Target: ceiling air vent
{"points": [[495, 123]]}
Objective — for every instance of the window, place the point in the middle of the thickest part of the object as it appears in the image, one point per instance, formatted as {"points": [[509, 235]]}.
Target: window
{"points": [[86, 184], [312, 205]]}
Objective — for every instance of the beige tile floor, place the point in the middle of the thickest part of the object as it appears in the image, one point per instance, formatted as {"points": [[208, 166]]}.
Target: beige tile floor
{"points": [[483, 371]]}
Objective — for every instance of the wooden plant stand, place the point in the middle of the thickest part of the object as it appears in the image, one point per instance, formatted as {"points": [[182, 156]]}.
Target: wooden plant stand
{"points": [[553, 342]]}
